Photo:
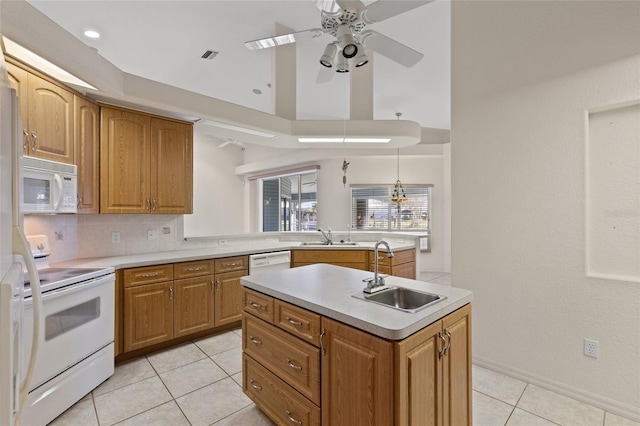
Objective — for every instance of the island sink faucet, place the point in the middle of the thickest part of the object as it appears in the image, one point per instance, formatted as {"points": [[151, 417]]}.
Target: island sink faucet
{"points": [[377, 282], [327, 236]]}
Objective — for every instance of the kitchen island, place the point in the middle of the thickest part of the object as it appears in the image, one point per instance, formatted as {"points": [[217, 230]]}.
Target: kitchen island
{"points": [[315, 354]]}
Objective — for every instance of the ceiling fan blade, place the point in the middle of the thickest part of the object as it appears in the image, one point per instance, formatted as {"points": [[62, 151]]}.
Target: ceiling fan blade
{"points": [[351, 4], [329, 6], [383, 9], [379, 43], [267, 42], [325, 75]]}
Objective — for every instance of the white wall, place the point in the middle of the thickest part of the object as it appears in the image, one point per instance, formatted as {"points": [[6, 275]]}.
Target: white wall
{"points": [[218, 200], [518, 219]]}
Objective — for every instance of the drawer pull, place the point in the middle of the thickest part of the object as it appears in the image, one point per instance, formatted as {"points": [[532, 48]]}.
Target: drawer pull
{"points": [[256, 305], [292, 365], [255, 385], [152, 274], [254, 340], [292, 321], [298, 422], [199, 268]]}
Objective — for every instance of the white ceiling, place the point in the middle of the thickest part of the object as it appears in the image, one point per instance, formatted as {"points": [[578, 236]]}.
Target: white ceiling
{"points": [[164, 40]]}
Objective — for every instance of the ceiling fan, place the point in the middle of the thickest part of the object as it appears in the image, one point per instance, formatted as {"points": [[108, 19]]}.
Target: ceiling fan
{"points": [[346, 21]]}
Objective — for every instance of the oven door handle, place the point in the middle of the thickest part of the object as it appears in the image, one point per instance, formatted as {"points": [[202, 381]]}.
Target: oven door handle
{"points": [[60, 292]]}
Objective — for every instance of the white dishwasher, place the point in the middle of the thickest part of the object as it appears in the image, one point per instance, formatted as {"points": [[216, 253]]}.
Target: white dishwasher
{"points": [[266, 262]]}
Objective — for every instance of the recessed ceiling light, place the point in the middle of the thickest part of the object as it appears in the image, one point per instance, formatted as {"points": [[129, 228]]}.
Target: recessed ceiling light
{"points": [[257, 91], [92, 34]]}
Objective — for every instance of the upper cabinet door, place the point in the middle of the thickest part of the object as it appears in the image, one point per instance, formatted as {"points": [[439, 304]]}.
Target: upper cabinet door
{"points": [[87, 145], [124, 162], [50, 121], [18, 81], [171, 167]]}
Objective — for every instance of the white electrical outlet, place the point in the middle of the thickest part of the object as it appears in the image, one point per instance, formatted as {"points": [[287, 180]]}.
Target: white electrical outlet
{"points": [[591, 348], [151, 234], [115, 237], [223, 242]]}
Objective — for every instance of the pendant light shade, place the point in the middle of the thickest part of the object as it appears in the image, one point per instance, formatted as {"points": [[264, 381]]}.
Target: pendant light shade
{"points": [[343, 64], [398, 195], [329, 55]]}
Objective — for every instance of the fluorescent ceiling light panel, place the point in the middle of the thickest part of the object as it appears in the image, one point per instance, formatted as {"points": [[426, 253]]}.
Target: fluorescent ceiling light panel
{"points": [[238, 129], [340, 140], [36, 61]]}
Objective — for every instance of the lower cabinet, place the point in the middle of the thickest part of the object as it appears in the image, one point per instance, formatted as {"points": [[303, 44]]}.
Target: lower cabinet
{"points": [[170, 301], [310, 369]]}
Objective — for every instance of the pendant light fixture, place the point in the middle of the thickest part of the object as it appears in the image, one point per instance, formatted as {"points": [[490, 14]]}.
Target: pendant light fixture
{"points": [[398, 195]]}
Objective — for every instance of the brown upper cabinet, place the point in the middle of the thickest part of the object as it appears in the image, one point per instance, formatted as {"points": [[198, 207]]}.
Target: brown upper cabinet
{"points": [[87, 154], [146, 163], [46, 110]]}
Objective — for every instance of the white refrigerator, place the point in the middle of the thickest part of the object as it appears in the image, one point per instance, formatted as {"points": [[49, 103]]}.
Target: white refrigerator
{"points": [[14, 375]]}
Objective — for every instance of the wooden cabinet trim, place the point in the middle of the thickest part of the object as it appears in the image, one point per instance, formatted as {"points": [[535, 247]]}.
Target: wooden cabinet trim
{"points": [[193, 305], [148, 315]]}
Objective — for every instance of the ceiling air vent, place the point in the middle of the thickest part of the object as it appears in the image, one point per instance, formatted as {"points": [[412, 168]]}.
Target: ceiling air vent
{"points": [[209, 54]]}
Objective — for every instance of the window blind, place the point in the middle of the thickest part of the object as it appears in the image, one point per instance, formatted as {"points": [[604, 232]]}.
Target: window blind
{"points": [[372, 208]]}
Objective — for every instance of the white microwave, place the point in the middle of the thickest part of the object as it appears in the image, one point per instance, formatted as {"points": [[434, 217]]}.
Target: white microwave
{"points": [[48, 186]]}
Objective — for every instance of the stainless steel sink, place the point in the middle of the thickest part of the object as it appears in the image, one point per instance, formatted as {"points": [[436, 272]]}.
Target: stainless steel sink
{"points": [[401, 298], [325, 243]]}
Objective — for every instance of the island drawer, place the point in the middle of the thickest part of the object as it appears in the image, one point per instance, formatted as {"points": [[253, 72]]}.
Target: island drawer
{"points": [[297, 321], [294, 361], [277, 399], [258, 304], [230, 264], [148, 275]]}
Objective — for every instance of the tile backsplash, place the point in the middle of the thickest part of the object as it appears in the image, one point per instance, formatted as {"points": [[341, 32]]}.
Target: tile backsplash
{"points": [[85, 236]]}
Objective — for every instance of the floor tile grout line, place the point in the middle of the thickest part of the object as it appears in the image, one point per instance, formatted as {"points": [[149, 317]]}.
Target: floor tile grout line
{"points": [[527, 411]]}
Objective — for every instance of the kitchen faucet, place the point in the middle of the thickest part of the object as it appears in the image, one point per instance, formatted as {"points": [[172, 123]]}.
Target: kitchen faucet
{"points": [[377, 282], [327, 236]]}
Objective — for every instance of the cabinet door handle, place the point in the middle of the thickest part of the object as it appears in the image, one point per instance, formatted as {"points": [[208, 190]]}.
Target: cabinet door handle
{"points": [[256, 305], [198, 268], [444, 344], [212, 284], [25, 139], [154, 203], [446, 349], [322, 348], [151, 274], [34, 141], [255, 341], [217, 284], [148, 204], [293, 322], [298, 422], [292, 365], [255, 385], [170, 292]]}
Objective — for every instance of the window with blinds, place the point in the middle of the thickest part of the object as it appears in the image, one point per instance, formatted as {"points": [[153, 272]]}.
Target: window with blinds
{"points": [[373, 210]]}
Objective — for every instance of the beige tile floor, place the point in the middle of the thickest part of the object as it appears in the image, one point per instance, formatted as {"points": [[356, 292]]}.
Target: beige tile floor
{"points": [[199, 383]]}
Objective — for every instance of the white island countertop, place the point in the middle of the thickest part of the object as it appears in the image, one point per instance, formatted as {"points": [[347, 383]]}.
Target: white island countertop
{"points": [[327, 290]]}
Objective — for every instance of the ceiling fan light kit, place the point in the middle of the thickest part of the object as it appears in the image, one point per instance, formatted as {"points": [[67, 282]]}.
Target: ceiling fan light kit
{"points": [[329, 55], [345, 20], [343, 64]]}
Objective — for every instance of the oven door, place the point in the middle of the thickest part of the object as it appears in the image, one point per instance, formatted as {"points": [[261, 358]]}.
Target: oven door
{"points": [[78, 321]]}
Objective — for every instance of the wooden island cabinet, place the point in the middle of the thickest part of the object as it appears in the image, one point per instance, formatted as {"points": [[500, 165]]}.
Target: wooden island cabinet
{"points": [[301, 367]]}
